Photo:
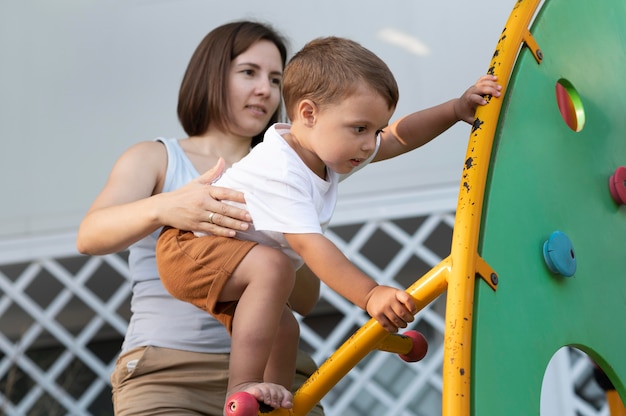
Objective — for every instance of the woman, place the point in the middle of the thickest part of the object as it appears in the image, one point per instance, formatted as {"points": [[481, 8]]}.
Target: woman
{"points": [[174, 358]]}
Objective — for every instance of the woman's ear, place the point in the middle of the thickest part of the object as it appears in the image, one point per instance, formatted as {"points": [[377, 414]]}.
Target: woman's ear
{"points": [[307, 112]]}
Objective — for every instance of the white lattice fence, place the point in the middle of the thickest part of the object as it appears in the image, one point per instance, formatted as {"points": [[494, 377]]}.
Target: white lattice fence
{"points": [[62, 317], [58, 312]]}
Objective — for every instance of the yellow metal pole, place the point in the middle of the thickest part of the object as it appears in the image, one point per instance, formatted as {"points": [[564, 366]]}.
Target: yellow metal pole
{"points": [[616, 407], [365, 340], [395, 343], [464, 251]]}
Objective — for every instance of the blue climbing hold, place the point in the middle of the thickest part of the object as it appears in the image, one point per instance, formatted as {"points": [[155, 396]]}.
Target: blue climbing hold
{"points": [[558, 254]]}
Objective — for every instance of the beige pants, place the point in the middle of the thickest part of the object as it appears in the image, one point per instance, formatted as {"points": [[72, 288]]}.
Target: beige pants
{"points": [[162, 381]]}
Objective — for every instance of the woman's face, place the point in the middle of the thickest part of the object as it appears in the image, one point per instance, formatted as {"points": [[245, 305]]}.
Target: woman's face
{"points": [[254, 87]]}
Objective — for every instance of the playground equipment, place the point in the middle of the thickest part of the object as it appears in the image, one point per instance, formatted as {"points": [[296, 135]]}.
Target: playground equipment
{"points": [[539, 244]]}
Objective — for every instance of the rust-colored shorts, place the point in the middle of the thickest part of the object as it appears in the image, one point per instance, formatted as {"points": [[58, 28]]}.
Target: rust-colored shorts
{"points": [[195, 269]]}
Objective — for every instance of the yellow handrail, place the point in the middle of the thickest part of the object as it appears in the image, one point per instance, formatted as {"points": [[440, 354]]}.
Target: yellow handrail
{"points": [[366, 339], [464, 251]]}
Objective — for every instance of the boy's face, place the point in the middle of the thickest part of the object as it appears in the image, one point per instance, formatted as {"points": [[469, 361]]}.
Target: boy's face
{"points": [[344, 133]]}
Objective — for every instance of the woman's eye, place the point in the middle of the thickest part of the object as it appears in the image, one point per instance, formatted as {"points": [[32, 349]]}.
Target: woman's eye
{"points": [[248, 71], [277, 81]]}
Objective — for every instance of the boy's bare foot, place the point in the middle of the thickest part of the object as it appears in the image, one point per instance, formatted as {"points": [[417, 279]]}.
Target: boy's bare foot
{"points": [[271, 394]]}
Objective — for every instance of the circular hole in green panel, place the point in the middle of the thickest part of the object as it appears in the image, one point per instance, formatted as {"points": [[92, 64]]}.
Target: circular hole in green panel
{"points": [[570, 105], [569, 383]]}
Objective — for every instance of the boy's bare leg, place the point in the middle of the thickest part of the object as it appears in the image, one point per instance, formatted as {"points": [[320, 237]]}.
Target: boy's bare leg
{"points": [[262, 283], [281, 365]]}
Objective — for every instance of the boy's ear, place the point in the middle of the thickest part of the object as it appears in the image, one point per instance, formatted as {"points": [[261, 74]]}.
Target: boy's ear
{"points": [[307, 111]]}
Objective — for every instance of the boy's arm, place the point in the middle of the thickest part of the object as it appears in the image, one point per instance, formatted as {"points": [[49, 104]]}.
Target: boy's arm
{"points": [[416, 129], [391, 307]]}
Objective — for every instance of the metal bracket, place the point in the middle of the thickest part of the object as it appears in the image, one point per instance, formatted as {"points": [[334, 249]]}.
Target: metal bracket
{"points": [[486, 272], [531, 43]]}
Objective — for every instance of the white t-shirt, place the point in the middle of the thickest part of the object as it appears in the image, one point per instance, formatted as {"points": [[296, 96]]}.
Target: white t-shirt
{"points": [[282, 194]]}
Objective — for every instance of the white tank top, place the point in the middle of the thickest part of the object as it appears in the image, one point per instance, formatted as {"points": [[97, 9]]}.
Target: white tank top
{"points": [[157, 318]]}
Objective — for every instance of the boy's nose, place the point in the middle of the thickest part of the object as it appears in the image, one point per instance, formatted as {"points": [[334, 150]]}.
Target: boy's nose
{"points": [[369, 145]]}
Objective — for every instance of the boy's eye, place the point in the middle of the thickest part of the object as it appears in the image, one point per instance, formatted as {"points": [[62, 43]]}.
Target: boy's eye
{"points": [[360, 129]]}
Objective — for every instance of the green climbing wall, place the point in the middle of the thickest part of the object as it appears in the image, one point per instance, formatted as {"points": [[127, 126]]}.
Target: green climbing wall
{"points": [[546, 177]]}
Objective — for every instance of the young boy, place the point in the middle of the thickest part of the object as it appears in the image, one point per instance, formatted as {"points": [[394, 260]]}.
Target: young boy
{"points": [[339, 97]]}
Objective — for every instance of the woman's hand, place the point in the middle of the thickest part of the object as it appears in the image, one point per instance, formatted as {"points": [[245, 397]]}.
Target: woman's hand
{"points": [[128, 210], [197, 206], [465, 106]]}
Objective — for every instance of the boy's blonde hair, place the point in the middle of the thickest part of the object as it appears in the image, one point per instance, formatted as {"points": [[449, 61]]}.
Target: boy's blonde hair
{"points": [[327, 70]]}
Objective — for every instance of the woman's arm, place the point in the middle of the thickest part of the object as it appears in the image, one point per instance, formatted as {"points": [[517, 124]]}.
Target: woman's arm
{"points": [[130, 206], [419, 128]]}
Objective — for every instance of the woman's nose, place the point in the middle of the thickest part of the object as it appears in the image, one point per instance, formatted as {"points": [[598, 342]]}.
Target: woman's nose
{"points": [[263, 86]]}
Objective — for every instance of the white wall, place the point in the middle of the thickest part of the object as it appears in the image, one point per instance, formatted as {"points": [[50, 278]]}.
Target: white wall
{"points": [[82, 80]]}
